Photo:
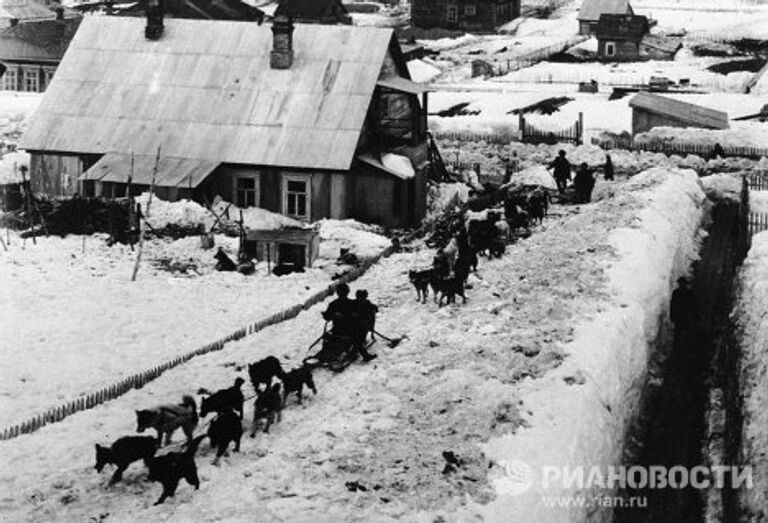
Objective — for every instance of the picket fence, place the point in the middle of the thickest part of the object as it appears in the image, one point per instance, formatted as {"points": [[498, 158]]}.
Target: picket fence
{"points": [[137, 381], [757, 182], [536, 56], [679, 149], [757, 222], [494, 138]]}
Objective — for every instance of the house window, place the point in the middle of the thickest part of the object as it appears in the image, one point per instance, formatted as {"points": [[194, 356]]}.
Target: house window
{"points": [[610, 49], [48, 76], [452, 13], [31, 80], [470, 10], [10, 79], [296, 196], [247, 191]]}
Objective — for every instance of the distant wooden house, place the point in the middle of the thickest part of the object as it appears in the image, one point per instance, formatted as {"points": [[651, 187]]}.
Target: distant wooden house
{"points": [[619, 37], [299, 120], [314, 11], [31, 51], [591, 11], [653, 47], [651, 110], [482, 16], [13, 12], [194, 9]]}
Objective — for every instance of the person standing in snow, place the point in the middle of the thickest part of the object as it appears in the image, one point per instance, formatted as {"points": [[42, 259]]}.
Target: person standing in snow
{"points": [[584, 182], [562, 171], [513, 165], [683, 311], [608, 169], [718, 152]]}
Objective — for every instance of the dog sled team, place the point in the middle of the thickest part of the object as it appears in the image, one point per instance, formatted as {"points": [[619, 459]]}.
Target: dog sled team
{"points": [[353, 318]]}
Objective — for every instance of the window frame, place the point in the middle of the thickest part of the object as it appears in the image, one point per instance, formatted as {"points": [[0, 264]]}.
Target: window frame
{"points": [[610, 48], [470, 10], [256, 190], [452, 13], [33, 74], [306, 179], [8, 84]]}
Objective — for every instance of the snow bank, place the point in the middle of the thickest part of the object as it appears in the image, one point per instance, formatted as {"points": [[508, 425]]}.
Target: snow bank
{"points": [[723, 186], [741, 134], [751, 311], [536, 175], [583, 425], [445, 44], [362, 240]]}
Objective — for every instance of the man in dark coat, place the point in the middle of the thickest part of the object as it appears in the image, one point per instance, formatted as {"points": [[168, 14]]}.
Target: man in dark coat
{"points": [[366, 313], [683, 311], [562, 171], [341, 311], [584, 182], [608, 169]]}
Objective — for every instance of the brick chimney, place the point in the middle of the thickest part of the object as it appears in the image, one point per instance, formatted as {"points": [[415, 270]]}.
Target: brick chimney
{"points": [[14, 22], [59, 12], [155, 12], [282, 43]]}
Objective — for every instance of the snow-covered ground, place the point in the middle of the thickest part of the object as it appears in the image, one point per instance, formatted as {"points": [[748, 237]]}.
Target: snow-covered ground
{"points": [[553, 334], [753, 380], [72, 321]]}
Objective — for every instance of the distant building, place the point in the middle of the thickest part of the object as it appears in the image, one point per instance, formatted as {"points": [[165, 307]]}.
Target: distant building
{"points": [[311, 121], [651, 110], [13, 12], [591, 10], [468, 15], [314, 11], [619, 37], [31, 51], [193, 9], [654, 47]]}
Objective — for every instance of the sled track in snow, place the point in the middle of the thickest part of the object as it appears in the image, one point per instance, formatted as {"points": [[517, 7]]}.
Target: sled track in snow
{"points": [[137, 381]]}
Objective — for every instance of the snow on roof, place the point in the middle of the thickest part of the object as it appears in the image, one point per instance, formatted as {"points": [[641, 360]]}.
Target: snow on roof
{"points": [[206, 90], [421, 71], [695, 115], [592, 9]]}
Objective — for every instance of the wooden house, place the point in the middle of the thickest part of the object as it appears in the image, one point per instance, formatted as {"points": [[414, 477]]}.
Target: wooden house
{"points": [[196, 9], [479, 16], [591, 11], [651, 110], [298, 120], [653, 47], [619, 37], [31, 51], [314, 11], [297, 246], [14, 12]]}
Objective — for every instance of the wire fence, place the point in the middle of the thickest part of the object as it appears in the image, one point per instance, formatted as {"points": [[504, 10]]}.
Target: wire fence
{"points": [[137, 381]]}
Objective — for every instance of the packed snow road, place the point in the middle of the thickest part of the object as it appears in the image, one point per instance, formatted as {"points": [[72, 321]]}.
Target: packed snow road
{"points": [[369, 446]]}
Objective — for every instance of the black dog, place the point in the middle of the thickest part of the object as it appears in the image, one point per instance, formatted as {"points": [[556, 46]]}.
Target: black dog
{"points": [[167, 418], [295, 380], [421, 279], [448, 288], [268, 406], [263, 371], [170, 468], [125, 451], [224, 262], [226, 427], [224, 400]]}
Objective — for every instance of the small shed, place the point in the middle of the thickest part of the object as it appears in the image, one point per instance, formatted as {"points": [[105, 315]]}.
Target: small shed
{"points": [[297, 246], [591, 10], [651, 110], [619, 37], [653, 47]]}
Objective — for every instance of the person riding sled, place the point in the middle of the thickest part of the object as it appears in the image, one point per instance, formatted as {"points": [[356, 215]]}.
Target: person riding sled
{"points": [[343, 316]]}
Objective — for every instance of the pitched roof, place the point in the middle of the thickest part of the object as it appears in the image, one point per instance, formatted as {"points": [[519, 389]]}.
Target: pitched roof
{"points": [[695, 115], [42, 40], [592, 9], [622, 27], [29, 10], [663, 43], [200, 9], [205, 90], [310, 9]]}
